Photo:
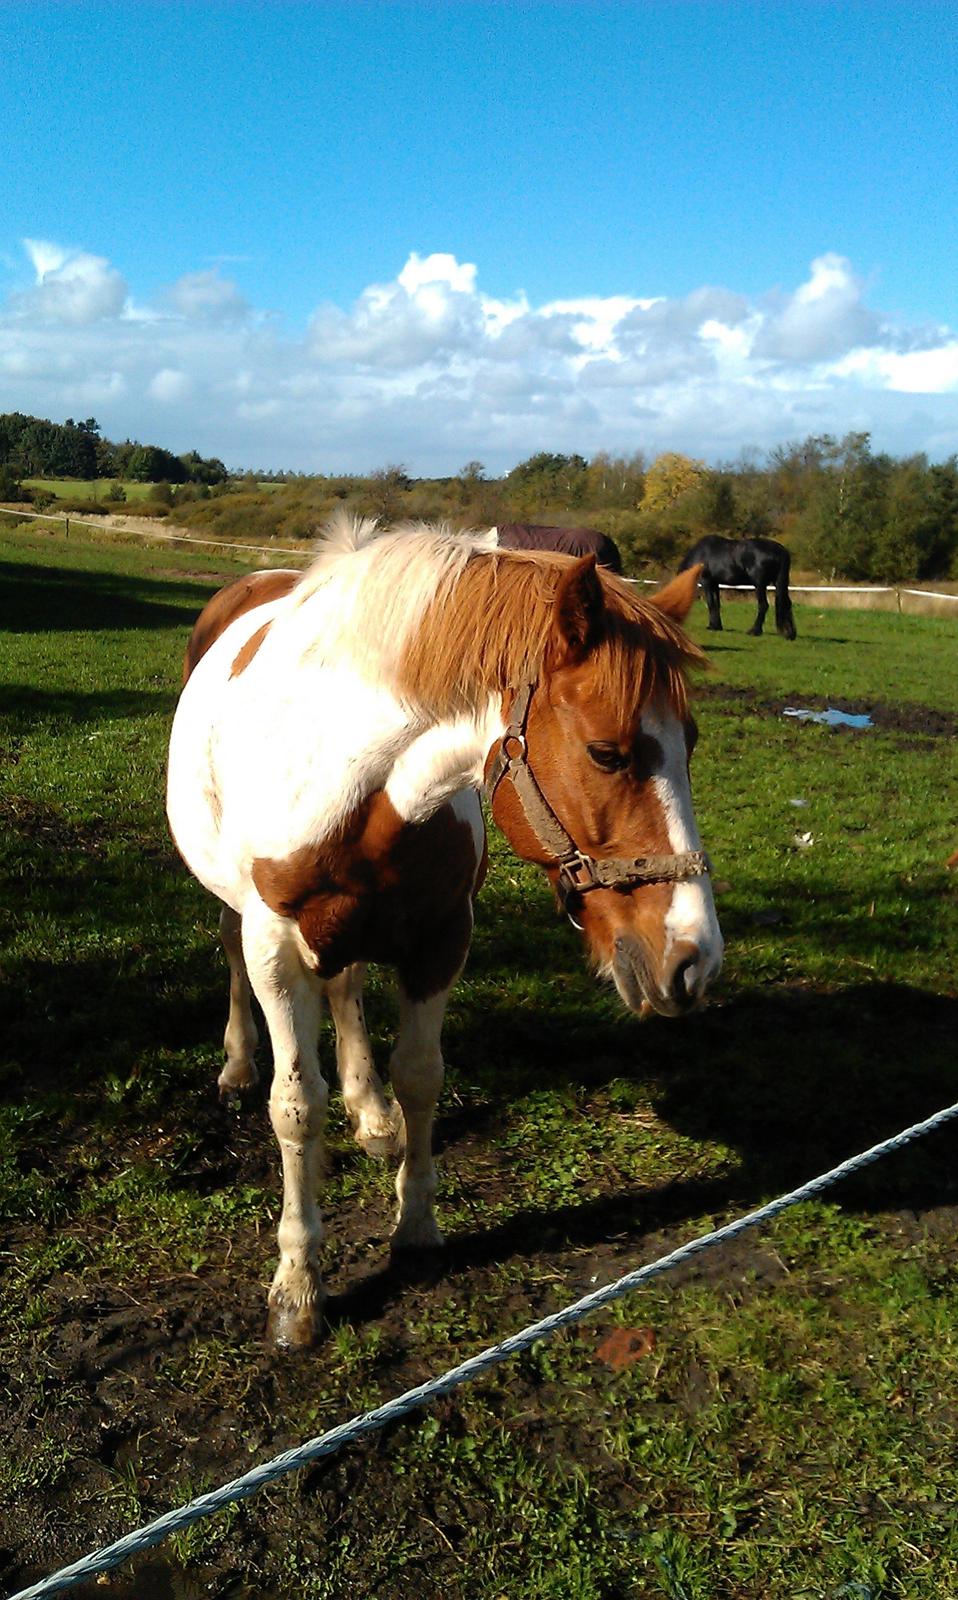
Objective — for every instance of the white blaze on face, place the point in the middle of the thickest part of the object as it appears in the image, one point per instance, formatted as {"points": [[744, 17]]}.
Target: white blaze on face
{"points": [[691, 916]]}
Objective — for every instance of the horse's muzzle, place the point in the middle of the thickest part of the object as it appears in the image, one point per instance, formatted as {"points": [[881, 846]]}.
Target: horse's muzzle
{"points": [[672, 992]]}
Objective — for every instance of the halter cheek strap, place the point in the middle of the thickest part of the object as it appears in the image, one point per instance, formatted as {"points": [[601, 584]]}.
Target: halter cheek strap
{"points": [[578, 872]]}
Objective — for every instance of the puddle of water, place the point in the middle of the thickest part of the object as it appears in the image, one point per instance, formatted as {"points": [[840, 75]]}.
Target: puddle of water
{"points": [[834, 718]]}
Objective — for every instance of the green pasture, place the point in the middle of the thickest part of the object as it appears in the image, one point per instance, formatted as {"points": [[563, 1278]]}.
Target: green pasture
{"points": [[791, 1430], [90, 488]]}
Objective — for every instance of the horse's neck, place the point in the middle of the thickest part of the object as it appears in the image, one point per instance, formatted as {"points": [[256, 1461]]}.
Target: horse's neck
{"points": [[448, 757], [303, 775]]}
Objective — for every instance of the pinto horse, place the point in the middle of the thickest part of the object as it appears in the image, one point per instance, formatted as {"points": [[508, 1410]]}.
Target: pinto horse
{"points": [[758, 562], [326, 754]]}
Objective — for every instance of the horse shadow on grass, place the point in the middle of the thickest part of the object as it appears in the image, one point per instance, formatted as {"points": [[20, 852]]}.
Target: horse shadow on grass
{"points": [[791, 1081], [51, 599], [26, 706], [788, 1079]]}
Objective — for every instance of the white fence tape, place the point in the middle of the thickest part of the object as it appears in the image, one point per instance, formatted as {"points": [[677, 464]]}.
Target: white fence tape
{"points": [[305, 555]]}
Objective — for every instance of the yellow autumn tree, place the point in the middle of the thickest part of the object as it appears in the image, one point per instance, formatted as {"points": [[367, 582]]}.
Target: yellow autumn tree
{"points": [[668, 478]]}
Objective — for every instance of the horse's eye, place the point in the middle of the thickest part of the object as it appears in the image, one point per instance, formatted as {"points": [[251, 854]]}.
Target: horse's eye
{"points": [[608, 756]]}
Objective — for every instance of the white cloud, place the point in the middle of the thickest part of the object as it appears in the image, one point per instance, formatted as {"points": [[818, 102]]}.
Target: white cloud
{"points": [[169, 386], [429, 369], [822, 320], [206, 297], [71, 286]]}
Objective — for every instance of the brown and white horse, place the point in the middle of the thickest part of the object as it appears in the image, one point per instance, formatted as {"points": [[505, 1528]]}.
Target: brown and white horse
{"points": [[326, 756]]}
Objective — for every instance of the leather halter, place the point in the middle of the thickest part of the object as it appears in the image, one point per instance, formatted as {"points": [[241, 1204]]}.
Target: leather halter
{"points": [[578, 872]]}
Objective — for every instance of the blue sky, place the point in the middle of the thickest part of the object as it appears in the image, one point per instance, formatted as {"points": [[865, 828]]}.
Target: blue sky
{"points": [[328, 236]]}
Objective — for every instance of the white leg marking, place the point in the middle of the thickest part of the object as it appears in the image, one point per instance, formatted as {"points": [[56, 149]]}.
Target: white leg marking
{"points": [[417, 1071], [291, 998], [377, 1123], [241, 1036]]}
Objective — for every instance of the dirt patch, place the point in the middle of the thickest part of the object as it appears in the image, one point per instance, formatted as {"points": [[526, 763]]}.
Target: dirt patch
{"points": [[913, 720]]}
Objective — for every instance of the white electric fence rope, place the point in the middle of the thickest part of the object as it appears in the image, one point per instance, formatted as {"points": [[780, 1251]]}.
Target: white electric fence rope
{"points": [[153, 1533], [307, 555]]}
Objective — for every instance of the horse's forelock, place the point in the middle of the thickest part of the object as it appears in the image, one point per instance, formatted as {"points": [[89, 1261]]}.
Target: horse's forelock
{"points": [[644, 654]]}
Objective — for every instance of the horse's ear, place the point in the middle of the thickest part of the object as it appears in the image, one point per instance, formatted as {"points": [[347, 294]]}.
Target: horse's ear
{"points": [[677, 596], [580, 604]]}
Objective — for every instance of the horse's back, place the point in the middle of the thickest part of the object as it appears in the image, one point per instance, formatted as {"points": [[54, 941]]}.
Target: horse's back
{"points": [[568, 541], [713, 547], [227, 604], [737, 560]]}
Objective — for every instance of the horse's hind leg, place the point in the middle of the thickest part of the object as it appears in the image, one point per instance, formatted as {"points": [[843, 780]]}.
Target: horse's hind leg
{"points": [[376, 1122], [291, 997], [241, 1036], [710, 591], [761, 595]]}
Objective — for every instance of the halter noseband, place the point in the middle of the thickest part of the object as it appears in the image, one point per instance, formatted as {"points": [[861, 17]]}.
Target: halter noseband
{"points": [[578, 872]]}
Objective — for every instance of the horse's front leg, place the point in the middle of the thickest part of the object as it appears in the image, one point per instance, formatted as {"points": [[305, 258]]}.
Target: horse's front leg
{"points": [[376, 1122], [241, 1036], [761, 595], [291, 997]]}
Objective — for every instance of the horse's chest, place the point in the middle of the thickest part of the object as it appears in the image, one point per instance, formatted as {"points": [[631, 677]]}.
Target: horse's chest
{"points": [[369, 899]]}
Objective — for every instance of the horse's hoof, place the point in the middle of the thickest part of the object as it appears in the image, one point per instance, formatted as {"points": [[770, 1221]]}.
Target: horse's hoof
{"points": [[416, 1234], [292, 1327], [237, 1077], [382, 1137]]}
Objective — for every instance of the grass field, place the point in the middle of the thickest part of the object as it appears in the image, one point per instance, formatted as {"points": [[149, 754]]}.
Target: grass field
{"points": [[89, 488], [790, 1430]]}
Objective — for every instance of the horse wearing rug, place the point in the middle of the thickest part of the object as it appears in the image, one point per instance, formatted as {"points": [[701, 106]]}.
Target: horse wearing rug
{"points": [[569, 541], [325, 759], [755, 562]]}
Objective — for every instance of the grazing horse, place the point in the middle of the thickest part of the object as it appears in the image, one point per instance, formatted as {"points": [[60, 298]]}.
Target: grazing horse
{"points": [[569, 541], [758, 562], [326, 753]]}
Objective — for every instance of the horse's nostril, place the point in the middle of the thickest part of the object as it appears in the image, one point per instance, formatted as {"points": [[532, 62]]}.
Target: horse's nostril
{"points": [[683, 986]]}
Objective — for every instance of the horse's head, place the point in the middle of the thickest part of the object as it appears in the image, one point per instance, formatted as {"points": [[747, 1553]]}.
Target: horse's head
{"points": [[594, 768]]}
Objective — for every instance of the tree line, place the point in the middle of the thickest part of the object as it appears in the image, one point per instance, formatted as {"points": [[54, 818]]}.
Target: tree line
{"points": [[842, 509], [32, 447]]}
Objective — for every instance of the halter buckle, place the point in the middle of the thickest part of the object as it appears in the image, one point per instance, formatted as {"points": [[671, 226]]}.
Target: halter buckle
{"points": [[576, 878], [577, 873]]}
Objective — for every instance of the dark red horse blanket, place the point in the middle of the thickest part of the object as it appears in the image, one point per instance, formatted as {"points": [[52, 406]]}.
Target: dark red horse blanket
{"points": [[570, 541]]}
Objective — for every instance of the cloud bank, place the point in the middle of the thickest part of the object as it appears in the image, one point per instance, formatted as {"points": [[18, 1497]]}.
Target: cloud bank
{"points": [[430, 370]]}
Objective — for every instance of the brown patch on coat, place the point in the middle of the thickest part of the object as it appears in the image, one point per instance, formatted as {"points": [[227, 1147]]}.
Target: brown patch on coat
{"points": [[234, 601], [246, 653], [383, 890]]}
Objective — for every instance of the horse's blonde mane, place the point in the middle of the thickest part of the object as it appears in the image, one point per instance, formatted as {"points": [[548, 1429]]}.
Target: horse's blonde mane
{"points": [[451, 619]]}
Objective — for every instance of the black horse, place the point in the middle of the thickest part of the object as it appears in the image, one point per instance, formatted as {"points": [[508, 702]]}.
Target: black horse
{"points": [[758, 562], [570, 541]]}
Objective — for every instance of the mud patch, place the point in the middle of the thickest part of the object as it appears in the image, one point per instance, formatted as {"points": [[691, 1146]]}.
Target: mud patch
{"points": [[913, 720]]}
